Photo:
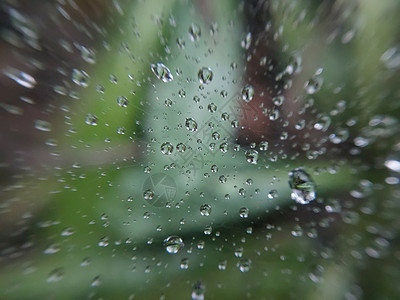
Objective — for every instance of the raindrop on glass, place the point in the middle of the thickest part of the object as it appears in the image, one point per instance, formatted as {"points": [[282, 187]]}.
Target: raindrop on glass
{"points": [[248, 93], [162, 72], [166, 148], [303, 187], [194, 32], [122, 101], [191, 124], [205, 210], [252, 156], [173, 244], [205, 75]]}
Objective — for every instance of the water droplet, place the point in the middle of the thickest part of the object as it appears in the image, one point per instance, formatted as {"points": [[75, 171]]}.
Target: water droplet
{"points": [[274, 115], [191, 124], [263, 146], [180, 42], [222, 265], [194, 32], [272, 194], [22, 78], [244, 265], [122, 101], [42, 125], [173, 244], [340, 136], [67, 231], [162, 72], [80, 77], [212, 107], [167, 148], [181, 147], [244, 212], [278, 100], [313, 85], [248, 93], [297, 231], [207, 230], [121, 130], [184, 264], [322, 123], [96, 281], [222, 179], [224, 147], [205, 75], [252, 156], [247, 41], [303, 187], [238, 252], [56, 275], [148, 194], [88, 55], [294, 65], [198, 291], [205, 210]]}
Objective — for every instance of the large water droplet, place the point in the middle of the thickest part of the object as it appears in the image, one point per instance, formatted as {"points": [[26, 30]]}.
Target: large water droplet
{"points": [[248, 93], [252, 156], [166, 148], [205, 75], [191, 124], [162, 72], [303, 187], [91, 119], [205, 210], [173, 244]]}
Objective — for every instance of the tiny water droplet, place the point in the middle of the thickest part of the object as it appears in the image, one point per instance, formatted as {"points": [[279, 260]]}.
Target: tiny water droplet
{"points": [[303, 187], [162, 72], [173, 244], [205, 75]]}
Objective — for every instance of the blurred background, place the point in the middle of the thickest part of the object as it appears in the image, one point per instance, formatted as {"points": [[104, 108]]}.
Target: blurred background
{"points": [[199, 149]]}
